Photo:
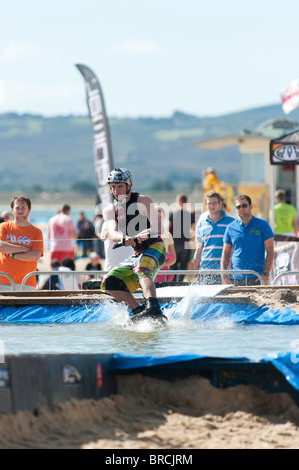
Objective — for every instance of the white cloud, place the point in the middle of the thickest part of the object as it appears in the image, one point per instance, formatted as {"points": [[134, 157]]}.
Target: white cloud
{"points": [[135, 46], [21, 89], [18, 52], [43, 98]]}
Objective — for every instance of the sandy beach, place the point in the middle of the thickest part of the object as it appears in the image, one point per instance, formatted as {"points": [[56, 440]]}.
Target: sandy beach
{"points": [[149, 413]]}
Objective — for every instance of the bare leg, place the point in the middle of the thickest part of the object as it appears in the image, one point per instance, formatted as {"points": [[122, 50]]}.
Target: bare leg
{"points": [[148, 287]]}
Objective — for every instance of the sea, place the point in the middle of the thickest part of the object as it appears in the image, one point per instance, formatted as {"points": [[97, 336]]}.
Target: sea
{"points": [[44, 214], [112, 333], [40, 216]]}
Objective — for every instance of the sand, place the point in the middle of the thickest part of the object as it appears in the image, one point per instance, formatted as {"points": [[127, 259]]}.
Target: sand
{"points": [[274, 298], [155, 414]]}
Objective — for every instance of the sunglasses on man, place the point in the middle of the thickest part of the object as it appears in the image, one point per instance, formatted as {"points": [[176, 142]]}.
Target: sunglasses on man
{"points": [[243, 206]]}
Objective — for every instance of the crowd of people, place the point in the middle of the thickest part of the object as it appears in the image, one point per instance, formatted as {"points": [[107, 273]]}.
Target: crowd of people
{"points": [[150, 238]]}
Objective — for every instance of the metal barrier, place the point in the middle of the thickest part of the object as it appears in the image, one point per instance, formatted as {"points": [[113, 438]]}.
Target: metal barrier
{"points": [[205, 272], [162, 272], [12, 283], [62, 273], [287, 273]]}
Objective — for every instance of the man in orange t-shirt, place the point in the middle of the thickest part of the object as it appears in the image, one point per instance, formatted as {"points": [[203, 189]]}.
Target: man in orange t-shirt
{"points": [[21, 246]]}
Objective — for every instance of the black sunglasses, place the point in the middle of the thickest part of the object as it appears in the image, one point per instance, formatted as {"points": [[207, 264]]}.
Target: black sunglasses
{"points": [[242, 205]]}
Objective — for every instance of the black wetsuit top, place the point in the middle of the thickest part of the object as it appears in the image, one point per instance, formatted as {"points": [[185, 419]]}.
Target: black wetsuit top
{"points": [[131, 222]]}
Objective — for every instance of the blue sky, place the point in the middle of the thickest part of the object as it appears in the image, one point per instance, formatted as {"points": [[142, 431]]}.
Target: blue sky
{"points": [[151, 58]]}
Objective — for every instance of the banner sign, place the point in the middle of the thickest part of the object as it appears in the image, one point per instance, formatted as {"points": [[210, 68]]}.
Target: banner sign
{"points": [[101, 141], [285, 149], [290, 97]]}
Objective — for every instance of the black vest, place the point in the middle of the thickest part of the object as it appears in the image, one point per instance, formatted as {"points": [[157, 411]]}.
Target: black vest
{"points": [[130, 222]]}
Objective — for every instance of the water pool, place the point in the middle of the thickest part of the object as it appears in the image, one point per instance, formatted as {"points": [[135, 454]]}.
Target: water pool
{"points": [[212, 330]]}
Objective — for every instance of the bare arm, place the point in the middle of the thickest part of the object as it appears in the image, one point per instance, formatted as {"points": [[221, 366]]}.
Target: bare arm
{"points": [[197, 255], [225, 261], [33, 255], [110, 230], [9, 248], [21, 253], [171, 250]]}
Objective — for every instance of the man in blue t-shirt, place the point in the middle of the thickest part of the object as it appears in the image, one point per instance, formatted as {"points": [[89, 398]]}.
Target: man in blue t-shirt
{"points": [[209, 234], [249, 245]]}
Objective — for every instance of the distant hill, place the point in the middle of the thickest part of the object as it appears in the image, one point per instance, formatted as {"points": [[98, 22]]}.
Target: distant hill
{"points": [[56, 154]]}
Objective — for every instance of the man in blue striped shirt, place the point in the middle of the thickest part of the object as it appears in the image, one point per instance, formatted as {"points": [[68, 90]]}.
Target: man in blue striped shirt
{"points": [[209, 234]]}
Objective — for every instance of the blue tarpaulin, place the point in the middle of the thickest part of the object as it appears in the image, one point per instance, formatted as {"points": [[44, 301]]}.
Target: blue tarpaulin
{"points": [[207, 312], [286, 362]]}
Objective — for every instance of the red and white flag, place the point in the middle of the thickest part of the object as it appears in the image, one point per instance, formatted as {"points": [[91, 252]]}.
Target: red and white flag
{"points": [[290, 97]]}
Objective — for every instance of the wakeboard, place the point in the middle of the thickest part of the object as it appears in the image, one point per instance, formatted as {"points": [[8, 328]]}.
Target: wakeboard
{"points": [[159, 320]]}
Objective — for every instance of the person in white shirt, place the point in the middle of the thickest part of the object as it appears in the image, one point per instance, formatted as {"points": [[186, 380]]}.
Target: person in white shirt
{"points": [[69, 281]]}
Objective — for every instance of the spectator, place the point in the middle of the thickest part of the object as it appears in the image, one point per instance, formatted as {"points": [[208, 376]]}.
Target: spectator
{"points": [[80, 224], [180, 222], [88, 237], [285, 216], [52, 283], [61, 232], [195, 214], [98, 244], [21, 246], [86, 234], [169, 246], [209, 237], [211, 182], [93, 264], [6, 216], [67, 281], [248, 245]]}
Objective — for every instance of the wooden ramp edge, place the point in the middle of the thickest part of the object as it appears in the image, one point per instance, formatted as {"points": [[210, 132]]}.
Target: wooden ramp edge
{"points": [[52, 297], [81, 297], [232, 294]]}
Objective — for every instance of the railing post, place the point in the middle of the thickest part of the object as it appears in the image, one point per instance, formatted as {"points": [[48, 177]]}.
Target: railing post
{"points": [[286, 273], [12, 283]]}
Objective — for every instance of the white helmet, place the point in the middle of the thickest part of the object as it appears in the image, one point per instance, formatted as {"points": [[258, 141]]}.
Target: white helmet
{"points": [[120, 175]]}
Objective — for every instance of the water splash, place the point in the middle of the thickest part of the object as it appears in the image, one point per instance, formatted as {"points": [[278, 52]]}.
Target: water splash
{"points": [[117, 312]]}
